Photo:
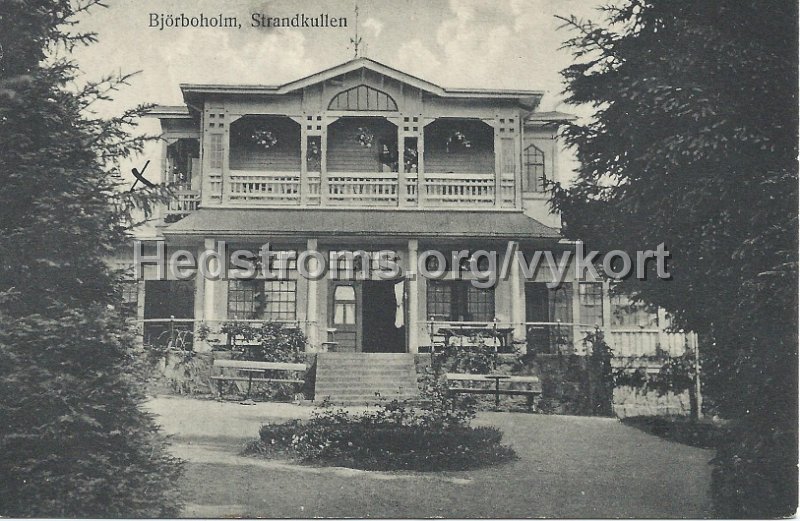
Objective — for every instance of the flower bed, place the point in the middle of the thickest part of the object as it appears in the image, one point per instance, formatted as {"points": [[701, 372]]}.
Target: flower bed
{"points": [[395, 437]]}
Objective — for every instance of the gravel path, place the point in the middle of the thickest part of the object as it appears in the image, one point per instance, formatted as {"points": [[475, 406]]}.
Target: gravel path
{"points": [[568, 467]]}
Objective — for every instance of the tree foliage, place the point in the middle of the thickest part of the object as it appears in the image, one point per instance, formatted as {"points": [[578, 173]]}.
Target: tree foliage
{"points": [[73, 439], [694, 144]]}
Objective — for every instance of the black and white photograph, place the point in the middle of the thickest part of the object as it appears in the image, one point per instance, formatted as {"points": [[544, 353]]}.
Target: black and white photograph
{"points": [[399, 259]]}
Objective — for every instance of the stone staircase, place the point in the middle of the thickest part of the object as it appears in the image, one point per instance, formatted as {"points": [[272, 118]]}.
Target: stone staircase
{"points": [[357, 378]]}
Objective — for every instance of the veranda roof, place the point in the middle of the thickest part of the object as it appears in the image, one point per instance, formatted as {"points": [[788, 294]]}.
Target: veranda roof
{"points": [[215, 222]]}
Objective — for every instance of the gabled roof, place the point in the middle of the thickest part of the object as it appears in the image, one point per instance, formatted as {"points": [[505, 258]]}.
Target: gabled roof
{"points": [[263, 222], [529, 98]]}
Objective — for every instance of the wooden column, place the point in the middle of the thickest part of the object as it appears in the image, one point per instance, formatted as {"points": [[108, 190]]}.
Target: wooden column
{"points": [[577, 337], [209, 290], [518, 164], [412, 321], [312, 301], [421, 186], [662, 334], [498, 163], [323, 174], [517, 299], [303, 184], [606, 296], [401, 166]]}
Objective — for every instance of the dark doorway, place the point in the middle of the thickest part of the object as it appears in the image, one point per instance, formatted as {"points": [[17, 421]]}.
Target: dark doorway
{"points": [[165, 299], [550, 308], [382, 313]]}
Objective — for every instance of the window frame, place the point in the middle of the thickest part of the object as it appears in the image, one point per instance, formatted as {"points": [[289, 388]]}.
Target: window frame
{"points": [[596, 303], [258, 306], [539, 181], [462, 300]]}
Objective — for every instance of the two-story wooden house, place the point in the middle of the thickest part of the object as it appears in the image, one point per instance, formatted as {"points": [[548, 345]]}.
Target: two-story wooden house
{"points": [[362, 156]]}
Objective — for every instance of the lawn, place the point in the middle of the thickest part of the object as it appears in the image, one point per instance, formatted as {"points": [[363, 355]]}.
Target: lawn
{"points": [[568, 467]]}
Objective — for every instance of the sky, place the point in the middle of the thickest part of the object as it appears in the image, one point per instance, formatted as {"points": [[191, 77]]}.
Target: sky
{"points": [[452, 43]]}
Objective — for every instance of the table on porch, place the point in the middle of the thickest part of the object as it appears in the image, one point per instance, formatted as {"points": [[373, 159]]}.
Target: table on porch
{"points": [[501, 334]]}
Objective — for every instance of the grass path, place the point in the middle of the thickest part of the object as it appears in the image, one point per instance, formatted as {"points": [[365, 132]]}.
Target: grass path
{"points": [[568, 467]]}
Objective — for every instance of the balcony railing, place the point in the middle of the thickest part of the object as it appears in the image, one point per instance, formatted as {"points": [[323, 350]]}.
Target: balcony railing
{"points": [[458, 189], [635, 342], [562, 337], [379, 189], [185, 201], [267, 188]]}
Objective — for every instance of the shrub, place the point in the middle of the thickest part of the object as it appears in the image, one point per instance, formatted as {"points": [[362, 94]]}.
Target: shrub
{"points": [[269, 342], [755, 471], [395, 437], [172, 364], [477, 358]]}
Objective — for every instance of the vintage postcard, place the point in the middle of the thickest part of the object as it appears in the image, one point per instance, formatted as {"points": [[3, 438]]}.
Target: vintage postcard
{"points": [[398, 259]]}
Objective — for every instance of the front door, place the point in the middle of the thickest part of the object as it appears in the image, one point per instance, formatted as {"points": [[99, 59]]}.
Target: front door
{"points": [[345, 315], [383, 316]]}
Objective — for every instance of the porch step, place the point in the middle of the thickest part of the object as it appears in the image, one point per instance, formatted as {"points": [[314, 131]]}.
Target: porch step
{"points": [[357, 378]]}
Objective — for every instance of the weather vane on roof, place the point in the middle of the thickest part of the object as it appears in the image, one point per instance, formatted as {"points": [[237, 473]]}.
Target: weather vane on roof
{"points": [[356, 40]]}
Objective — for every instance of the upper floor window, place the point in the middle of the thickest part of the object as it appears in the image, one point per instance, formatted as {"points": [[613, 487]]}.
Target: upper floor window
{"points": [[534, 174], [363, 97]]}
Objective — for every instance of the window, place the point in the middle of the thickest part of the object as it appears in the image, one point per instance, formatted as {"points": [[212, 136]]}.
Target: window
{"points": [[344, 305], [439, 300], [215, 151], [627, 314], [459, 300], [280, 300], [242, 295], [363, 97], [271, 300], [591, 303], [534, 175]]}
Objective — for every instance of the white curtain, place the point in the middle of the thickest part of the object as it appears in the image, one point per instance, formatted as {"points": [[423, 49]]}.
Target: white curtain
{"points": [[399, 314]]}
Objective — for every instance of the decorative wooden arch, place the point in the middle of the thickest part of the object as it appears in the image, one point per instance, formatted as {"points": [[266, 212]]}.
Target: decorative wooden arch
{"points": [[363, 98]]}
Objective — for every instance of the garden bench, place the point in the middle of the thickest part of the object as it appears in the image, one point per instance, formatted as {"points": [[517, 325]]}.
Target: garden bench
{"points": [[252, 371], [456, 383]]}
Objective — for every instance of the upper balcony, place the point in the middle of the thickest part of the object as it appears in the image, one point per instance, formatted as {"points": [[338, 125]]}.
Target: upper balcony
{"points": [[357, 135], [357, 161]]}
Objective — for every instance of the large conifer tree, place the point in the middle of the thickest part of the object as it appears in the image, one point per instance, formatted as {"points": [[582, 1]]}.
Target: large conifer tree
{"points": [[694, 144], [73, 439]]}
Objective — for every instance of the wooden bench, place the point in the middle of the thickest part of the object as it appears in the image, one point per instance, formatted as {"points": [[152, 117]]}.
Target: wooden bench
{"points": [[456, 383], [250, 371]]}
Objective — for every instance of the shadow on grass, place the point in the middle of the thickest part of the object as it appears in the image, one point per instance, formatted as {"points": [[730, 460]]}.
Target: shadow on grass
{"points": [[680, 429]]}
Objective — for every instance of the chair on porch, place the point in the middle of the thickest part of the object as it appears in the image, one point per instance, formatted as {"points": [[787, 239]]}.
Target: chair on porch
{"points": [[330, 344]]}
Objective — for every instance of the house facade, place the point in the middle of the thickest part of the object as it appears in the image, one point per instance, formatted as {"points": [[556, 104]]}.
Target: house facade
{"points": [[363, 157]]}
